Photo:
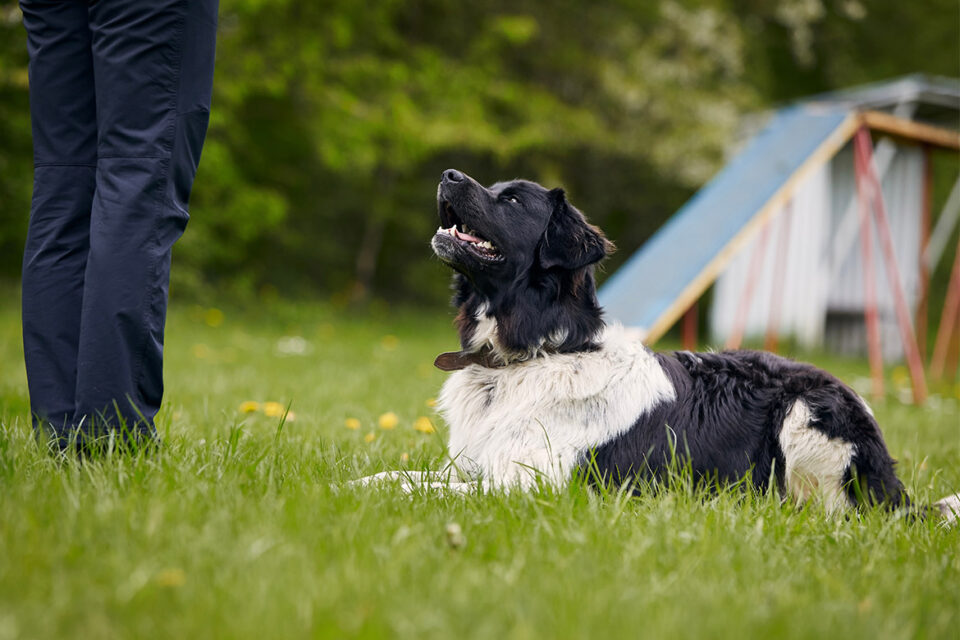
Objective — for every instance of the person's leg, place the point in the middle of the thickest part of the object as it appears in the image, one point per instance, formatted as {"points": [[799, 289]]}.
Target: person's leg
{"points": [[63, 115], [153, 65]]}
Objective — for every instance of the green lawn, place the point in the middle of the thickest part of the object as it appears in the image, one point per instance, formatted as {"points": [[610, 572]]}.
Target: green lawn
{"points": [[237, 528]]}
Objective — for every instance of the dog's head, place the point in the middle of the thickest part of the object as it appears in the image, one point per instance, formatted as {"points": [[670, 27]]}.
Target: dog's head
{"points": [[525, 260]]}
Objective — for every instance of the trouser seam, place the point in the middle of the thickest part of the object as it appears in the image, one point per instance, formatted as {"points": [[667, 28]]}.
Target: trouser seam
{"points": [[131, 157], [38, 165], [149, 300]]}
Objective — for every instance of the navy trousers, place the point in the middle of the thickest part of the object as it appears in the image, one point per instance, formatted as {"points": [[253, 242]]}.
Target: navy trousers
{"points": [[119, 100]]}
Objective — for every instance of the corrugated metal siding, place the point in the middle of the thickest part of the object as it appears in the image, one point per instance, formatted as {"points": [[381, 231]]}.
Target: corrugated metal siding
{"points": [[822, 303], [803, 290], [902, 193]]}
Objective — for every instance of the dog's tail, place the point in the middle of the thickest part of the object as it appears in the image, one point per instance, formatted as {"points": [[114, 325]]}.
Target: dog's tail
{"points": [[946, 511]]}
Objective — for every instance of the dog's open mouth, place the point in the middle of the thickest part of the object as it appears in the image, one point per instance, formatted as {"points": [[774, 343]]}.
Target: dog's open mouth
{"points": [[469, 238]]}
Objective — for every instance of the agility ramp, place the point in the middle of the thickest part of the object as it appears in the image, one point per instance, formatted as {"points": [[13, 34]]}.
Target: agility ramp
{"points": [[675, 266]]}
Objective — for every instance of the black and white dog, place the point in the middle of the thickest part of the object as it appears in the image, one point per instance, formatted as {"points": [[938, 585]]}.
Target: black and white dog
{"points": [[542, 386]]}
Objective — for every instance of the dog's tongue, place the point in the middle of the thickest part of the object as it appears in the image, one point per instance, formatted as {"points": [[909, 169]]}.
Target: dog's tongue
{"points": [[466, 236]]}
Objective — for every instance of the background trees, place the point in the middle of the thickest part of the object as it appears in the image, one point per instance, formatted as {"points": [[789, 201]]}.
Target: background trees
{"points": [[332, 120]]}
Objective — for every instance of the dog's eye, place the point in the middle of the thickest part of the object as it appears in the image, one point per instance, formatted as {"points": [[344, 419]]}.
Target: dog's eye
{"points": [[512, 199]]}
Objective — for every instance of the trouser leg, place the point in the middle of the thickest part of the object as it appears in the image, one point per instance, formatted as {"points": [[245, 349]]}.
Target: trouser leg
{"points": [[63, 117], [153, 64]]}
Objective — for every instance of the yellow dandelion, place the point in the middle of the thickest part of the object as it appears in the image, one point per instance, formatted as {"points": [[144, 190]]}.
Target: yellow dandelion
{"points": [[249, 406], [351, 423], [200, 351], [273, 409], [213, 317], [388, 420], [423, 425], [389, 342], [404, 457], [171, 577], [370, 437], [900, 376], [431, 402]]}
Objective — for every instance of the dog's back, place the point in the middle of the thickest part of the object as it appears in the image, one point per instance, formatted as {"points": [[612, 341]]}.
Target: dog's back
{"points": [[751, 412]]}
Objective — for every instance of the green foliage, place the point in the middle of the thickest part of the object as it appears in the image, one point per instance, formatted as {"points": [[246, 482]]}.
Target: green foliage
{"points": [[16, 165], [358, 107], [332, 121]]}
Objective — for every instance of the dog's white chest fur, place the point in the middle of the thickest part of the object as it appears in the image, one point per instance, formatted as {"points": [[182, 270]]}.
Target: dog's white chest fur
{"points": [[542, 416]]}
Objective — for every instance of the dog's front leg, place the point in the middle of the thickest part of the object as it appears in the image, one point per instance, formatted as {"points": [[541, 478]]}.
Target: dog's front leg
{"points": [[407, 478], [456, 487], [411, 481]]}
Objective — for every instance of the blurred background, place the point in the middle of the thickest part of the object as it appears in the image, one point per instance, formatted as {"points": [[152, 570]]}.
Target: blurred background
{"points": [[332, 121]]}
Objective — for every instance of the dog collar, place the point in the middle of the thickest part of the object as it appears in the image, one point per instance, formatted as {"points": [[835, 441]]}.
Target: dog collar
{"points": [[456, 360]]}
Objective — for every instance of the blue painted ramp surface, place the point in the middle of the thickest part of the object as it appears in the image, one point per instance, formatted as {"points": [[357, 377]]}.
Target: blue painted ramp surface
{"points": [[650, 282]]}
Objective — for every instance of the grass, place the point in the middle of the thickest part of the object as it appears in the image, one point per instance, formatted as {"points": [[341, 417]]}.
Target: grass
{"points": [[239, 528]]}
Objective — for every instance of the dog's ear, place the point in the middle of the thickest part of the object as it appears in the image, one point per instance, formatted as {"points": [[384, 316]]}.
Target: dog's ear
{"points": [[569, 240]]}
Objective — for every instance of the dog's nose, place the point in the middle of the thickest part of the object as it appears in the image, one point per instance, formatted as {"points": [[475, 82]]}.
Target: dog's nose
{"points": [[452, 175]]}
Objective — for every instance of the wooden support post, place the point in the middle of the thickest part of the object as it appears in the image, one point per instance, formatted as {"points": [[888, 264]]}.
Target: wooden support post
{"points": [[924, 285], [779, 272], [948, 319], [690, 328], [953, 355], [746, 298], [869, 277], [910, 350]]}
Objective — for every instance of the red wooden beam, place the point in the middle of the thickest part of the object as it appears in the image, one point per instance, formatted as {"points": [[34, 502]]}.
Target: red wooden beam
{"points": [[953, 355], [746, 298], [779, 271], [690, 328], [948, 319], [925, 214], [869, 277], [911, 352]]}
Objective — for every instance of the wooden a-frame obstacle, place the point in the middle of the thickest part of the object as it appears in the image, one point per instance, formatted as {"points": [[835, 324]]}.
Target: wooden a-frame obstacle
{"points": [[663, 281]]}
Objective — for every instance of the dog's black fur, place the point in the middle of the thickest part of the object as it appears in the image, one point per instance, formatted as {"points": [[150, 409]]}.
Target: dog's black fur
{"points": [[726, 420], [538, 284]]}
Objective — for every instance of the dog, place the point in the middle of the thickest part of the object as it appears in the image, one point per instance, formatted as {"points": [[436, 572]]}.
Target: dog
{"points": [[542, 388]]}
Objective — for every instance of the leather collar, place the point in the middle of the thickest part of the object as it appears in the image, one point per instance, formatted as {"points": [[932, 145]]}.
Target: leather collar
{"points": [[456, 360]]}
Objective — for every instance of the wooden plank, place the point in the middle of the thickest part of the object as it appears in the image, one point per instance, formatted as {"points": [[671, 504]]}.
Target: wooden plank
{"points": [[910, 130], [870, 321], [920, 319], [948, 320], [690, 329], [692, 292]]}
